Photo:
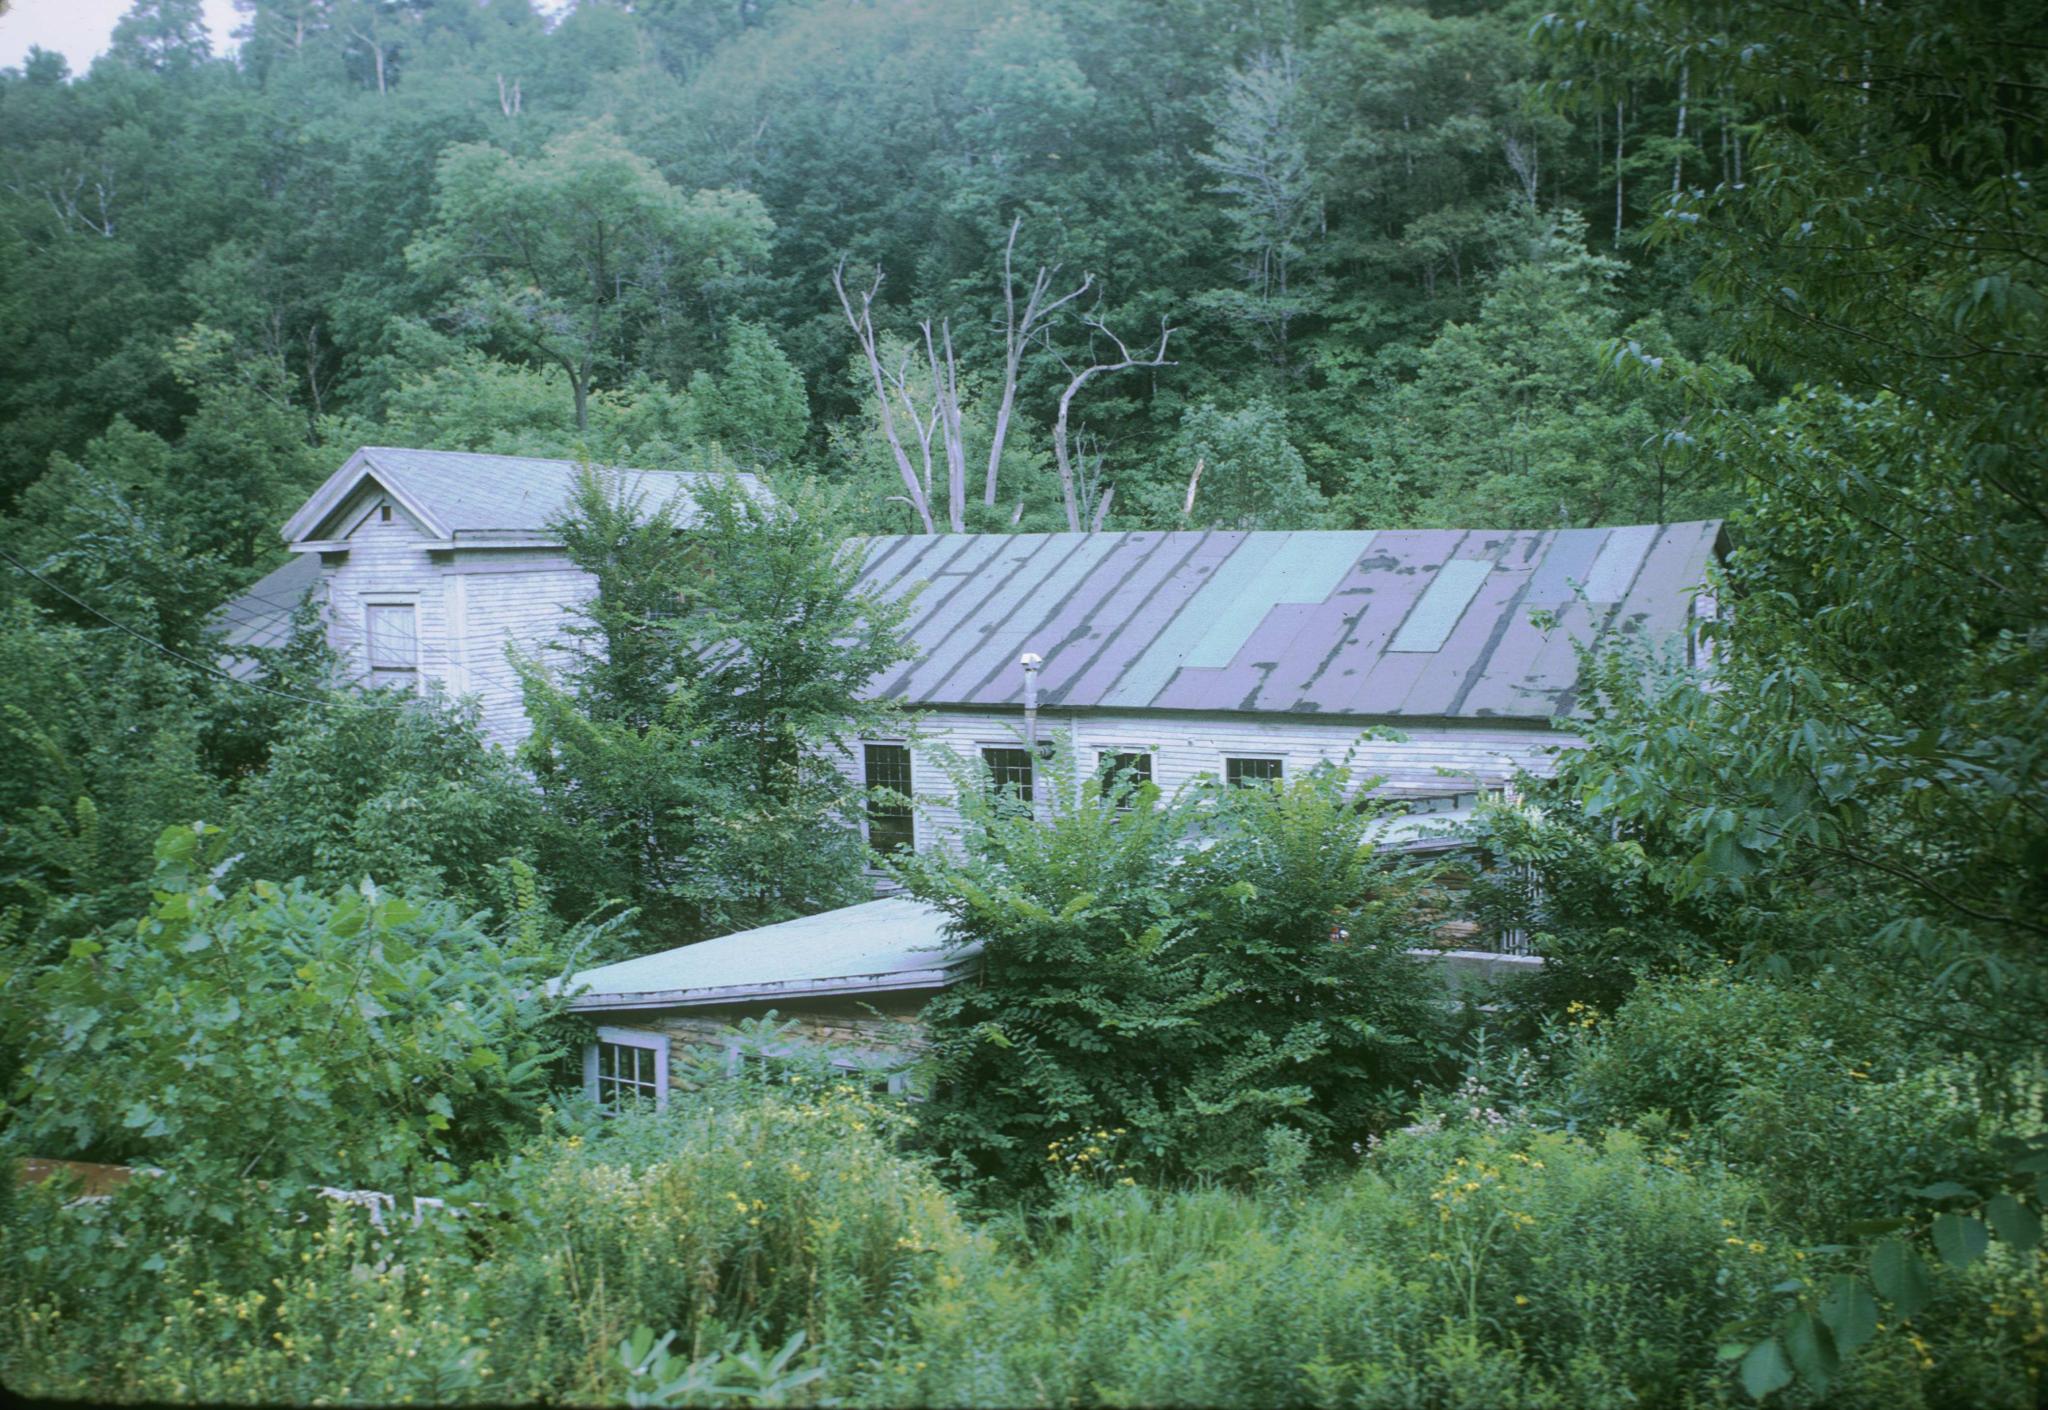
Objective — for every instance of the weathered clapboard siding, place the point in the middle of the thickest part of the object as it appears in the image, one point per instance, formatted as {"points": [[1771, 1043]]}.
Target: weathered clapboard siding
{"points": [[472, 605], [385, 561], [1449, 757], [511, 600]]}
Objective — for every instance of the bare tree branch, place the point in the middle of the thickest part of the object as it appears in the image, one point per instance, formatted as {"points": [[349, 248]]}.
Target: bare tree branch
{"points": [[1016, 334], [863, 325], [1125, 360], [946, 408]]}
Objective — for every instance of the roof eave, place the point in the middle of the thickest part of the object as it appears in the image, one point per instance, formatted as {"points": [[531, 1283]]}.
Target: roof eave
{"points": [[713, 995]]}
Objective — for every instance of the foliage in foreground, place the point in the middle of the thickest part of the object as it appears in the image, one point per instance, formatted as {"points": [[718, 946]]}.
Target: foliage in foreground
{"points": [[798, 1258], [277, 1032], [1186, 974], [683, 753]]}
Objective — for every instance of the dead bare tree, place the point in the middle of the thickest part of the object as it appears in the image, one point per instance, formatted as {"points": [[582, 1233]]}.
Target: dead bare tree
{"points": [[946, 408], [924, 425], [1017, 333], [863, 325], [1069, 490]]}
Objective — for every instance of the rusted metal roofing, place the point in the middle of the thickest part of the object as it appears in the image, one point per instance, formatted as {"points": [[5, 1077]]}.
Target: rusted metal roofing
{"points": [[1407, 623]]}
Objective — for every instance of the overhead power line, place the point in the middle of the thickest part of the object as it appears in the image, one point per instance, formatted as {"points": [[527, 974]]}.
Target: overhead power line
{"points": [[152, 642]]}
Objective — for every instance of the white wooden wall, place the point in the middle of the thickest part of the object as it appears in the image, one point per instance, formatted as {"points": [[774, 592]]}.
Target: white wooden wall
{"points": [[472, 604], [1184, 746]]}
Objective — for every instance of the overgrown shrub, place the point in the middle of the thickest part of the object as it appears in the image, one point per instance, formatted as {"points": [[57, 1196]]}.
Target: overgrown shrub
{"points": [[273, 1031], [1195, 970], [745, 1211], [392, 785], [1461, 1266]]}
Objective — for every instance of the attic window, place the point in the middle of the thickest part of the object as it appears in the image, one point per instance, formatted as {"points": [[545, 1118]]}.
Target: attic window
{"points": [[383, 513]]}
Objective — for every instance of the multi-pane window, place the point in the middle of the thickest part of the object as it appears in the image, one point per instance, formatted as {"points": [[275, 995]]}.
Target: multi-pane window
{"points": [[1240, 772], [391, 639], [624, 1069], [1009, 771], [1126, 771], [892, 826]]}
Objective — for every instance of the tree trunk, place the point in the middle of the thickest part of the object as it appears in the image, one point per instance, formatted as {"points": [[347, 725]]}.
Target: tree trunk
{"points": [[863, 326], [1678, 158], [1620, 143]]}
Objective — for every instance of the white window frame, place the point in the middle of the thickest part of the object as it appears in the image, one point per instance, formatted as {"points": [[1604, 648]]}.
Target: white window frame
{"points": [[1043, 755], [627, 1038], [411, 602], [1223, 769]]}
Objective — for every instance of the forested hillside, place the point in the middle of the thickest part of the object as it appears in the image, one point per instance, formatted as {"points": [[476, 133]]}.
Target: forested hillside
{"points": [[1768, 1124], [1388, 275]]}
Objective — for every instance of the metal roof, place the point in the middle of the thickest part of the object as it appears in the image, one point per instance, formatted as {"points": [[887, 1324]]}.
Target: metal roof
{"points": [[894, 943], [260, 615], [463, 494], [1390, 623]]}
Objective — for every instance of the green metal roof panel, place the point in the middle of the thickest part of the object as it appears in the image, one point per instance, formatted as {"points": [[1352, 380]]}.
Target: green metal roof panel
{"points": [[1430, 621], [894, 942]]}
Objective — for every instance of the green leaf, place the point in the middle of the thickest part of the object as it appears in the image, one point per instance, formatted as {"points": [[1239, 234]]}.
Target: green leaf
{"points": [[1900, 1276], [1812, 1349], [1960, 1240], [2013, 1222], [1945, 1189], [1850, 1312], [1765, 1370]]}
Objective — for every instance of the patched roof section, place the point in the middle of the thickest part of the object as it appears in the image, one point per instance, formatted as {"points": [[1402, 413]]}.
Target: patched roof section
{"points": [[459, 494], [894, 943], [1410, 623]]}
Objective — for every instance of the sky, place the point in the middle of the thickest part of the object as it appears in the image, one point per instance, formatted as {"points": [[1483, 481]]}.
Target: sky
{"points": [[80, 29]]}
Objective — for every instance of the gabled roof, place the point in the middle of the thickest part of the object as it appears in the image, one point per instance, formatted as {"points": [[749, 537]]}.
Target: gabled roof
{"points": [[461, 495], [877, 946], [1392, 623]]}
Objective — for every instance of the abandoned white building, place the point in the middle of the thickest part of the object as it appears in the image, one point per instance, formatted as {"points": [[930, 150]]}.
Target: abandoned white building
{"points": [[1246, 655]]}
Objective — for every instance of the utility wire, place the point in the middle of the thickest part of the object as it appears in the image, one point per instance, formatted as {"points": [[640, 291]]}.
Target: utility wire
{"points": [[231, 679]]}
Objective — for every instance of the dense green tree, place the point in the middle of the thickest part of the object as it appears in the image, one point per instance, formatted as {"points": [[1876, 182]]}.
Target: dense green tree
{"points": [[392, 786], [1242, 472], [279, 1032], [1186, 972], [106, 747], [682, 745], [579, 256], [1508, 420], [754, 406]]}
